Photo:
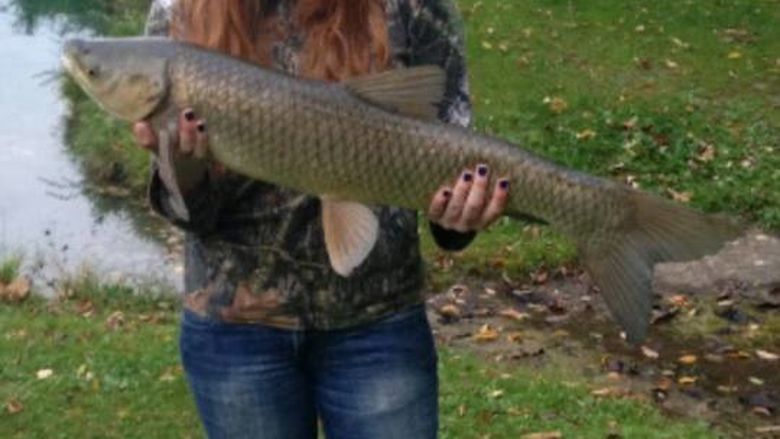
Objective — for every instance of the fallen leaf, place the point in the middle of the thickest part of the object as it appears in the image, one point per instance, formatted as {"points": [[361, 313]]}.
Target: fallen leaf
{"points": [[680, 300], [671, 64], [756, 381], [763, 411], [734, 55], [449, 311], [514, 314], [630, 124], [687, 381], [17, 291], [44, 374], [545, 435], [496, 394], [727, 389], [767, 356], [514, 337], [649, 353], [116, 320], [680, 197], [610, 392], [586, 134], [688, 359], [486, 334], [556, 104], [13, 406], [664, 384], [706, 153]]}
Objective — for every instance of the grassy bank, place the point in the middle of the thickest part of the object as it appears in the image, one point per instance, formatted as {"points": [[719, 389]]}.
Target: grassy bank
{"points": [[104, 363]]}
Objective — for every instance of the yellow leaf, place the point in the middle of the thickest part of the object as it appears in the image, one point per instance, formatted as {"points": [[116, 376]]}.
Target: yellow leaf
{"points": [[586, 134], [649, 353], [487, 45], [514, 314], [687, 381], [735, 55], [13, 406], [44, 374], [556, 104], [545, 435], [486, 334], [688, 359], [681, 197]]}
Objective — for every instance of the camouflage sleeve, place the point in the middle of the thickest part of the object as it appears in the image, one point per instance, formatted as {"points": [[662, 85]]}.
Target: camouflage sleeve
{"points": [[435, 35], [159, 19]]}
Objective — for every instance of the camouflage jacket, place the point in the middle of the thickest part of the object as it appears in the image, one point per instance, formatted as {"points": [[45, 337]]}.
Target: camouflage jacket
{"points": [[254, 252]]}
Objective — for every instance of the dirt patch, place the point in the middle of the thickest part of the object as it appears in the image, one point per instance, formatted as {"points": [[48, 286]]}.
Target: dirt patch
{"points": [[712, 358]]}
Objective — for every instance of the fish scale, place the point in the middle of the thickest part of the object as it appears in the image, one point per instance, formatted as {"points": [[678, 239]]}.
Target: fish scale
{"points": [[358, 142]]}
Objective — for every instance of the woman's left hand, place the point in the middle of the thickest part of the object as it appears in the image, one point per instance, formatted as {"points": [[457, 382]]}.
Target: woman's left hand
{"points": [[465, 207]]}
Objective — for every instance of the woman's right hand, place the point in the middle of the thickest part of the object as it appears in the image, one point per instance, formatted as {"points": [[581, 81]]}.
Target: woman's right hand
{"points": [[192, 136]]}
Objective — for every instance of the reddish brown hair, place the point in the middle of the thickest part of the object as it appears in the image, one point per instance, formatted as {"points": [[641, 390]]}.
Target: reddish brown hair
{"points": [[344, 38]]}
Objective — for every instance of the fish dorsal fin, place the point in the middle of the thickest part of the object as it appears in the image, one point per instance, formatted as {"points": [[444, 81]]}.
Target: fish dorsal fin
{"points": [[413, 91], [351, 230]]}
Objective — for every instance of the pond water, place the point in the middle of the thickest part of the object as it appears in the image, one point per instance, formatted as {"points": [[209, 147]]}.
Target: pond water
{"points": [[45, 213]]}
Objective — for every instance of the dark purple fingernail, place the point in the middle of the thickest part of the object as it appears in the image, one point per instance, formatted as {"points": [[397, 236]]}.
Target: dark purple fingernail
{"points": [[504, 184], [482, 170], [447, 193], [467, 177], [202, 127], [189, 115]]}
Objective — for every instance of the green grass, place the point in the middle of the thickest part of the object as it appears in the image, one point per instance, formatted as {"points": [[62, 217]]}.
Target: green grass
{"points": [[680, 97], [124, 380], [9, 269]]}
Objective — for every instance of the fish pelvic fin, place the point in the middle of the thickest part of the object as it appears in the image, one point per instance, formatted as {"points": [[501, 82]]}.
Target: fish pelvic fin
{"points": [[351, 231], [621, 260], [414, 91]]}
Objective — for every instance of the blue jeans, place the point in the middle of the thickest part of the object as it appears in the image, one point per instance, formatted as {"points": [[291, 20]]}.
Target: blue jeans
{"points": [[370, 382]]}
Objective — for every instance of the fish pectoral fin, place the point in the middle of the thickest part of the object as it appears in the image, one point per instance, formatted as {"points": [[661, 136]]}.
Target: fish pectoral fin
{"points": [[351, 231], [167, 172], [413, 91]]}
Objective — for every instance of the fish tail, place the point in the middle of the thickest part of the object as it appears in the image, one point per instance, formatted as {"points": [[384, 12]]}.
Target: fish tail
{"points": [[621, 260]]}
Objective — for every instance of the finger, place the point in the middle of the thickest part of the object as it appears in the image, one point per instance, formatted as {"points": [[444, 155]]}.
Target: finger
{"points": [[188, 127], [475, 203], [460, 192], [144, 136], [497, 204], [439, 204], [201, 139]]}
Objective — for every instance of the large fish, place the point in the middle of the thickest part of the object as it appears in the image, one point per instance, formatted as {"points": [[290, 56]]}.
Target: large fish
{"points": [[375, 141]]}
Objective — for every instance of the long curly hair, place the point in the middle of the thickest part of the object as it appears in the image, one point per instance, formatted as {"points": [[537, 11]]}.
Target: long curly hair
{"points": [[343, 38]]}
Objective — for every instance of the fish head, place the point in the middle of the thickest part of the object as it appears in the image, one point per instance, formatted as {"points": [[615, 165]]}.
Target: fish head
{"points": [[125, 76]]}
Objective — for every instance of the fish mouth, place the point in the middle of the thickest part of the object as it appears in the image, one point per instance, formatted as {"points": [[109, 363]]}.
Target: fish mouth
{"points": [[69, 58]]}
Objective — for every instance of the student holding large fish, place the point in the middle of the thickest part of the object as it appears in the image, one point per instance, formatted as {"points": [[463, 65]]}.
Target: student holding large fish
{"points": [[303, 294], [272, 336]]}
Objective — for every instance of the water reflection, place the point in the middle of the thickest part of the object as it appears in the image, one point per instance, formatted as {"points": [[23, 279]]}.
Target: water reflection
{"points": [[46, 209]]}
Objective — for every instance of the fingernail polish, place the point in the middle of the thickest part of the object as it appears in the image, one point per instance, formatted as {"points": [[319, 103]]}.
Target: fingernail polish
{"points": [[504, 184], [189, 115], [467, 177], [202, 127], [482, 170]]}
